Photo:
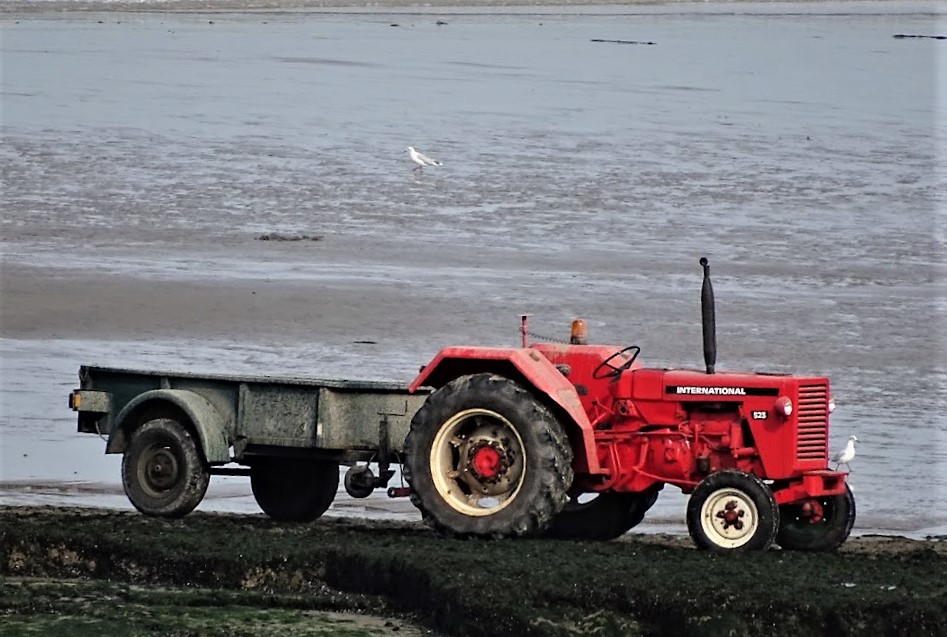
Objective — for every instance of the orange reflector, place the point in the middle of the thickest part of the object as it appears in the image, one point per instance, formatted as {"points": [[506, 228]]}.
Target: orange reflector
{"points": [[580, 333], [74, 400]]}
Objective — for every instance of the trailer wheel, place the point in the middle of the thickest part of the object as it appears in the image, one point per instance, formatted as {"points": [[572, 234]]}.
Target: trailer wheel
{"points": [[607, 516], [732, 510], [486, 458], [819, 524], [294, 489], [163, 470]]}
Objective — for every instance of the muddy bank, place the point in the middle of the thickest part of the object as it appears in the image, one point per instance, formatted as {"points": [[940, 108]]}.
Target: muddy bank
{"points": [[641, 585]]}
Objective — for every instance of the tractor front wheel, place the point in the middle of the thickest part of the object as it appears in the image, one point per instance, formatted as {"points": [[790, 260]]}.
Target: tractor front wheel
{"points": [[486, 458], [294, 489], [732, 510], [163, 469], [818, 524], [603, 517]]}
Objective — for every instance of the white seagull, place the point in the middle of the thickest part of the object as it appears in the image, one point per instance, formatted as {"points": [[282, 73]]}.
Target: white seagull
{"points": [[846, 455], [420, 159]]}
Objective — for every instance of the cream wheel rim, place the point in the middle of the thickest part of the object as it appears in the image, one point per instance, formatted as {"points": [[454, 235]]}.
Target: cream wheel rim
{"points": [[478, 462], [729, 518]]}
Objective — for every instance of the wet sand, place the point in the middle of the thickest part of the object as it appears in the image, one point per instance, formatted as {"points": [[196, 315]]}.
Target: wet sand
{"points": [[48, 304]]}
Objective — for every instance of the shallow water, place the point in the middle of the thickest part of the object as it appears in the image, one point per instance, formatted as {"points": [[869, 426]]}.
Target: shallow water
{"points": [[801, 147]]}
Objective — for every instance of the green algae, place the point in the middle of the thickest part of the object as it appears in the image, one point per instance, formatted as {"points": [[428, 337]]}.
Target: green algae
{"points": [[83, 608], [277, 573]]}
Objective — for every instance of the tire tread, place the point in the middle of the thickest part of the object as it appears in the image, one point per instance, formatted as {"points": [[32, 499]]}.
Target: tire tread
{"points": [[554, 455]]}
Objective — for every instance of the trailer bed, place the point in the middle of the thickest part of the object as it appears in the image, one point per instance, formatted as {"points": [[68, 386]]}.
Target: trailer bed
{"points": [[257, 413]]}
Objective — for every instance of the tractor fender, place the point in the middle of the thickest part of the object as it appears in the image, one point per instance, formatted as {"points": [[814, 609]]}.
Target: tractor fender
{"points": [[535, 372], [207, 423]]}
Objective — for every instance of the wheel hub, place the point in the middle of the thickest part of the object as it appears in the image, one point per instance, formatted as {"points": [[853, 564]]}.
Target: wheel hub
{"points": [[812, 511], [161, 469], [487, 460], [731, 515]]}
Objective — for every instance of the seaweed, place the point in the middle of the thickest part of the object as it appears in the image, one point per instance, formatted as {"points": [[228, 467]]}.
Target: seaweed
{"points": [[272, 572]]}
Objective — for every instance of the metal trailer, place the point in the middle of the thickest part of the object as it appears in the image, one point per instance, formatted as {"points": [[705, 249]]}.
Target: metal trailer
{"points": [[289, 435]]}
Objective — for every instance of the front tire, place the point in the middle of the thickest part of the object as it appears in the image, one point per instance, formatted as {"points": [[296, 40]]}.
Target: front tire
{"points": [[731, 510], [819, 524], [486, 458], [294, 489], [608, 516], [163, 470]]}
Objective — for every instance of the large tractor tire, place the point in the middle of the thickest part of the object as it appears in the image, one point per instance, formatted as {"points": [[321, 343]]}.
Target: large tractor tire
{"points": [[163, 469], [294, 489], [486, 458], [606, 517], [820, 524], [731, 510]]}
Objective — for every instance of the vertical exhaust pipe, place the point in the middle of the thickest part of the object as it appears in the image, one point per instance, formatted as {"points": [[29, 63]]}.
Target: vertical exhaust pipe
{"points": [[707, 318]]}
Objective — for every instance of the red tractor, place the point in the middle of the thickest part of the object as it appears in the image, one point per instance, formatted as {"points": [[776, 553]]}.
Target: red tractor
{"points": [[575, 441]]}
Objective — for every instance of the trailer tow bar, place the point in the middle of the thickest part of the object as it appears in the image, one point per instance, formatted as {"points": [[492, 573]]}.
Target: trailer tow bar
{"points": [[360, 481]]}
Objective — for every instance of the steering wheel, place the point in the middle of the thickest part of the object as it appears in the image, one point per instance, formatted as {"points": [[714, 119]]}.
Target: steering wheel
{"points": [[607, 369]]}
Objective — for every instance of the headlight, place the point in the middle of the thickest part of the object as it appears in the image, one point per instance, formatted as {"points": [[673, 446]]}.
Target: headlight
{"points": [[831, 405], [784, 406]]}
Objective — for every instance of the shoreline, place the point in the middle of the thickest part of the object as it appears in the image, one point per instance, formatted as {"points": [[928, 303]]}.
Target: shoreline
{"points": [[662, 534], [235, 499]]}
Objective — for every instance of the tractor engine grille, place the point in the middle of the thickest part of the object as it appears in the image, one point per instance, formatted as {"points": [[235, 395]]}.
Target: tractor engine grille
{"points": [[813, 428]]}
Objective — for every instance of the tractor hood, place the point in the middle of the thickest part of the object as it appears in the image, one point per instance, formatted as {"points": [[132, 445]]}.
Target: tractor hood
{"points": [[689, 384]]}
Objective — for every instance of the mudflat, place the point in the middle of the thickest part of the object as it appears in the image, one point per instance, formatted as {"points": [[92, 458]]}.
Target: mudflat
{"points": [[51, 304]]}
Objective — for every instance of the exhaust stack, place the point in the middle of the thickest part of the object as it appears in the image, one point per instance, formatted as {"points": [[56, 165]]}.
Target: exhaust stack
{"points": [[707, 318]]}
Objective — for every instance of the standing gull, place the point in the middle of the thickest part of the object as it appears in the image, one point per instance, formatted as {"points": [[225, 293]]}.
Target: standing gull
{"points": [[420, 159], [846, 455]]}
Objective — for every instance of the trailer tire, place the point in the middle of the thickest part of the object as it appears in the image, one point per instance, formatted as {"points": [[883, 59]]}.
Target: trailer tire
{"points": [[608, 516], [294, 489], [732, 510], [486, 458], [163, 470], [798, 532]]}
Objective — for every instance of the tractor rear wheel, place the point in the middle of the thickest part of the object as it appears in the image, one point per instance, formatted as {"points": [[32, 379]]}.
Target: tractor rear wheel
{"points": [[484, 457], [294, 489], [163, 470], [607, 516], [819, 524], [732, 510]]}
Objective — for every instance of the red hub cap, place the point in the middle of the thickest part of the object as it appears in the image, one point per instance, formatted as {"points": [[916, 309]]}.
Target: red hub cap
{"points": [[812, 511], [486, 462], [731, 515]]}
